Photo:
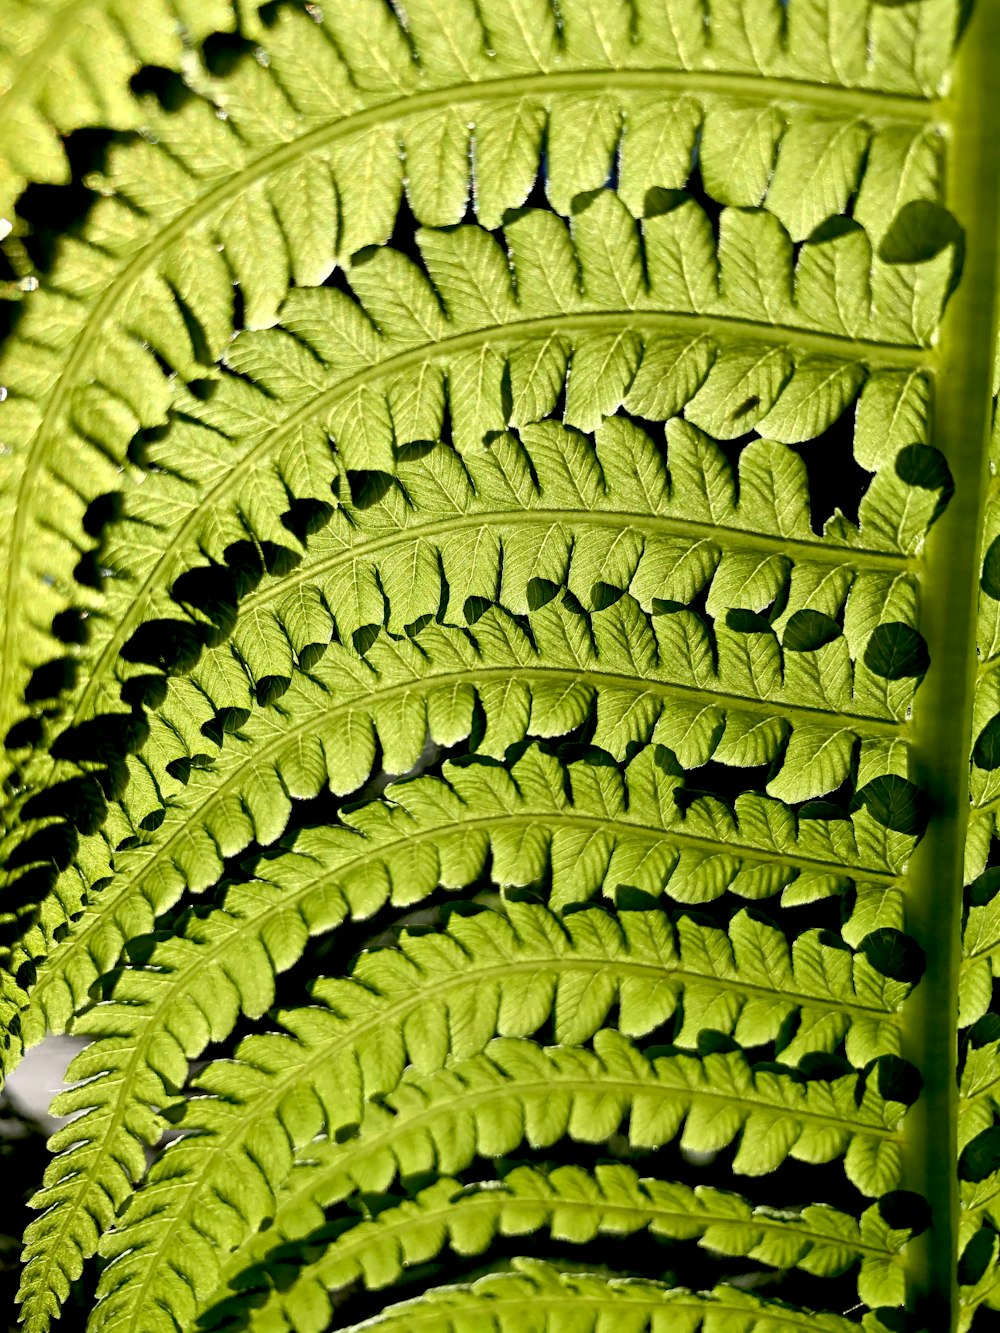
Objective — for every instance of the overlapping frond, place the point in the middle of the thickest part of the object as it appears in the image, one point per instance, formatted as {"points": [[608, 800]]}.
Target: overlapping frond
{"points": [[536, 1297], [211, 201], [559, 282], [213, 1188], [554, 397], [302, 168], [586, 829], [325, 730], [447, 995], [583, 826], [574, 1206], [405, 552]]}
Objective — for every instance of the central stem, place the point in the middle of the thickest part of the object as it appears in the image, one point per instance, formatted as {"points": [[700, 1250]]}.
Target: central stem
{"points": [[943, 713]]}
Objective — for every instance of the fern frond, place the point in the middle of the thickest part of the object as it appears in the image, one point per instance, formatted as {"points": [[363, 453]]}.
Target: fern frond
{"points": [[726, 690], [63, 67], [430, 684], [490, 492], [386, 372], [264, 644], [573, 1206], [209, 1190], [165, 241], [707, 672], [537, 1297], [381, 374], [438, 562], [304, 170], [442, 996], [445, 532], [405, 555], [403, 574], [434, 833]]}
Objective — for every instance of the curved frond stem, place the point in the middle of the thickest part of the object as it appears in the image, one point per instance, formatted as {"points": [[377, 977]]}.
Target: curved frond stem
{"points": [[533, 1093]]}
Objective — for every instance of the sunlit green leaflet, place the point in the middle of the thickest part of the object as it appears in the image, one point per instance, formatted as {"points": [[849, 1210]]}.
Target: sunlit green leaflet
{"points": [[535, 1297], [470, 526], [304, 170], [451, 1000], [575, 1207], [66, 65], [514, 1092]]}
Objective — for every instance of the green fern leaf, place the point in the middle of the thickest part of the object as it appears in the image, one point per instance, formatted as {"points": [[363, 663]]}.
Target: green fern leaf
{"points": [[60, 71], [575, 1207], [515, 1091], [296, 458], [536, 1297], [494, 977], [180, 281], [329, 135], [460, 386], [293, 748]]}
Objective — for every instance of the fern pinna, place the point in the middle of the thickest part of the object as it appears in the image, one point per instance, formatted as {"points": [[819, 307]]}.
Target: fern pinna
{"points": [[501, 570]]}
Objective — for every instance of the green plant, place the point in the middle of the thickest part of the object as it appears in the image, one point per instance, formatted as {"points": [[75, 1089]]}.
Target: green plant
{"points": [[500, 580]]}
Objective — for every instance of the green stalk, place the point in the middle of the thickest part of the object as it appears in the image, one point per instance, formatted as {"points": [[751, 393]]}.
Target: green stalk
{"points": [[949, 594]]}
